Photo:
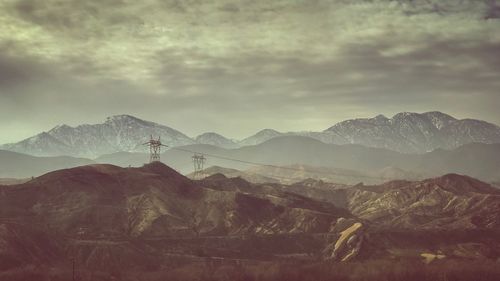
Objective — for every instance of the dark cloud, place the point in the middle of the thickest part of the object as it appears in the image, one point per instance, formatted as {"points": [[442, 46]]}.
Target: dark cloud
{"points": [[230, 7], [13, 73], [493, 11], [238, 66], [16, 71], [451, 66]]}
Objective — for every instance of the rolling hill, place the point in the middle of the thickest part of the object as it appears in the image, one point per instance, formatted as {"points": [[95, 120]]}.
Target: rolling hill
{"points": [[17, 165], [149, 219]]}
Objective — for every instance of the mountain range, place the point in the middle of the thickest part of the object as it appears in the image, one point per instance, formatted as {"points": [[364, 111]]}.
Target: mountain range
{"points": [[117, 133], [404, 132], [415, 133]]}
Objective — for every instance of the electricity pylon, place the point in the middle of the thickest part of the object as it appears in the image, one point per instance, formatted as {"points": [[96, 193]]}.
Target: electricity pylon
{"points": [[198, 161], [154, 149]]}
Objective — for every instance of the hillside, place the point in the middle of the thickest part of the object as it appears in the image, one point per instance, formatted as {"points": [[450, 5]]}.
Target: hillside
{"points": [[160, 196], [448, 202], [96, 205], [147, 219], [17, 165]]}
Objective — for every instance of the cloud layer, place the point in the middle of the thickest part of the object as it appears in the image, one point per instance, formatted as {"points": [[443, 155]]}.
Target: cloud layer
{"points": [[239, 66]]}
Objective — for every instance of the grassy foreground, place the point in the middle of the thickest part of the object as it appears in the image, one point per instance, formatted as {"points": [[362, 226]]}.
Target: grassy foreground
{"points": [[374, 270]]}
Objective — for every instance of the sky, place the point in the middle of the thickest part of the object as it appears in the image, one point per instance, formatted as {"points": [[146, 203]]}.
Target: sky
{"points": [[236, 67]]}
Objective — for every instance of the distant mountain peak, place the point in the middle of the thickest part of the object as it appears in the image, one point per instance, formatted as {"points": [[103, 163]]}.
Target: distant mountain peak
{"points": [[125, 118], [403, 114], [210, 134], [117, 133], [406, 115], [122, 116], [260, 137], [267, 131], [438, 113], [411, 132], [62, 126], [462, 184], [215, 139], [163, 170], [215, 177]]}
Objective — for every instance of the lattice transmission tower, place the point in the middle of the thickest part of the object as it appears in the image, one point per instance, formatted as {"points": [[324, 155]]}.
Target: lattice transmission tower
{"points": [[154, 149], [198, 161]]}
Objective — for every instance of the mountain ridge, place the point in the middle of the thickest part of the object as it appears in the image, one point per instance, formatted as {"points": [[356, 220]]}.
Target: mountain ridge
{"points": [[410, 132], [405, 132], [151, 216], [117, 133]]}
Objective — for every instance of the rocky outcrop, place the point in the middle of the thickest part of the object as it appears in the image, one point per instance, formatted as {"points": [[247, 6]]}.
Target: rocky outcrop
{"points": [[346, 245]]}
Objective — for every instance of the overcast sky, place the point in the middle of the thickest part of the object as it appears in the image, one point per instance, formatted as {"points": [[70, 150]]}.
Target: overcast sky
{"points": [[236, 67]]}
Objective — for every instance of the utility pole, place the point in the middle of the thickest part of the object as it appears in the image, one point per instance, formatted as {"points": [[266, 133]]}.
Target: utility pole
{"points": [[198, 161], [154, 149], [74, 272]]}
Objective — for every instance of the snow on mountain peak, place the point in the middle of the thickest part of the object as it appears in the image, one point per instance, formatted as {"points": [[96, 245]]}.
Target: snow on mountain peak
{"points": [[406, 132], [411, 132], [117, 133], [439, 119], [122, 117]]}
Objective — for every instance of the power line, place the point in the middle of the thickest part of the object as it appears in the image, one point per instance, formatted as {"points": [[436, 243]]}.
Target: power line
{"points": [[279, 167]]}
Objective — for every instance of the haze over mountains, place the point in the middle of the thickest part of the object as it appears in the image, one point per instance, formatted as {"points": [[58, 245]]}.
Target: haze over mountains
{"points": [[404, 132], [347, 163], [18, 165], [338, 163]]}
